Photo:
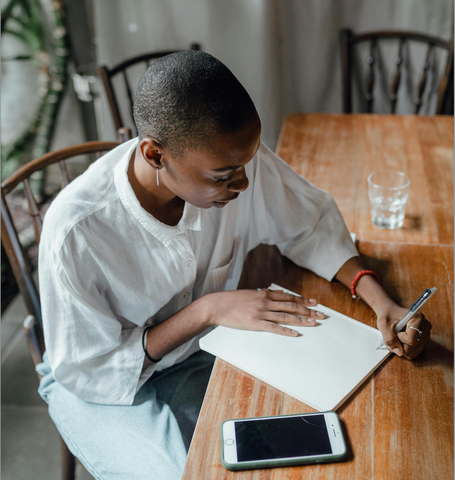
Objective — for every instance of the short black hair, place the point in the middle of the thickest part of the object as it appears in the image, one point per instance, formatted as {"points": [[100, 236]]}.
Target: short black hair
{"points": [[184, 98]]}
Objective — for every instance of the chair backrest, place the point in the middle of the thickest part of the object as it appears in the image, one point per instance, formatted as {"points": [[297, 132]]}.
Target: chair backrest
{"points": [[16, 251], [14, 248], [424, 88], [106, 74]]}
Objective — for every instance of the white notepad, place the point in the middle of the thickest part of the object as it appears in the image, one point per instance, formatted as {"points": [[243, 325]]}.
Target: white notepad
{"points": [[322, 367]]}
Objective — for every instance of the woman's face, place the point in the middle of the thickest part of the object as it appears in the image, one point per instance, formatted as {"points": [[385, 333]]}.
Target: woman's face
{"points": [[212, 177]]}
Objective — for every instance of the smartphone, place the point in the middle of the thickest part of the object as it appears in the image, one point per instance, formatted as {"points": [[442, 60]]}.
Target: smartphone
{"points": [[282, 440]]}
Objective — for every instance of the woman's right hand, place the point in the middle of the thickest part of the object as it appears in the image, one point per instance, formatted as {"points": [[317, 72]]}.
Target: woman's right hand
{"points": [[264, 310]]}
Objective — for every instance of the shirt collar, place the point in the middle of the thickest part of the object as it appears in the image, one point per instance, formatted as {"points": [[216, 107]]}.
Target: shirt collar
{"points": [[191, 218]]}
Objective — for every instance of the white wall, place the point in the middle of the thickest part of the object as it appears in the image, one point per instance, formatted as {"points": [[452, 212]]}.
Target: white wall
{"points": [[286, 53]]}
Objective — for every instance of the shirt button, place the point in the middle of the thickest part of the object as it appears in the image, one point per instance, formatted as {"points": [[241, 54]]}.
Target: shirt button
{"points": [[188, 263], [185, 295]]}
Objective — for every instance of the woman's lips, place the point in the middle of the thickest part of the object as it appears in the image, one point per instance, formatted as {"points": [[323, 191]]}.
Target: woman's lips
{"points": [[230, 199], [222, 203]]}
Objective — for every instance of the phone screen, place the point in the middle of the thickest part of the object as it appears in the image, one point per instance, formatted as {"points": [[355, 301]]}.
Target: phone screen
{"points": [[282, 438]]}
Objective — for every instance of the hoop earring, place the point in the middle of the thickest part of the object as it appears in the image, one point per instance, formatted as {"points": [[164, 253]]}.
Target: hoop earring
{"points": [[157, 177]]}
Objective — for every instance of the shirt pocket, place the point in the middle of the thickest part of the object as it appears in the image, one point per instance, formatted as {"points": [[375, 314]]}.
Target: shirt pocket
{"points": [[220, 274]]}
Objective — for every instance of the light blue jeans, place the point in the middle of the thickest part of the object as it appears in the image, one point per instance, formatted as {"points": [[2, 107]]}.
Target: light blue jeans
{"points": [[148, 440]]}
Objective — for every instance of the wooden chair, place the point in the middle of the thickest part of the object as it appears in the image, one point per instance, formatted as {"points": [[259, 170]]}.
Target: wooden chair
{"points": [[349, 42], [16, 253], [106, 74]]}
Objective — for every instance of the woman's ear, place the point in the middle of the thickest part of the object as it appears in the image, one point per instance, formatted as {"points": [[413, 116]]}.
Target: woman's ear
{"points": [[152, 152]]}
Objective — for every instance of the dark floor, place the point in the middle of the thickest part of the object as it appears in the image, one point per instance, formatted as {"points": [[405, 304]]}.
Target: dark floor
{"points": [[30, 443]]}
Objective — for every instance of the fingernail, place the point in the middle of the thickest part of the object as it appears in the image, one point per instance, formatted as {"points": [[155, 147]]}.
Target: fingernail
{"points": [[311, 320], [294, 332], [312, 300], [320, 314], [397, 351]]}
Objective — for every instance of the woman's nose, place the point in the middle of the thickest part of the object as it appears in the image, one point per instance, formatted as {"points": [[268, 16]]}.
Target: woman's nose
{"points": [[240, 181]]}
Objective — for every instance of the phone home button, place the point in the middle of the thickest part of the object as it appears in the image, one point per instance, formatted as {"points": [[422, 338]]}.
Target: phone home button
{"points": [[229, 442]]}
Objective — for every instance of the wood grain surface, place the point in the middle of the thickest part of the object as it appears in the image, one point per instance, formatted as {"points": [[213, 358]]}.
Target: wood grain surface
{"points": [[338, 152], [399, 423]]}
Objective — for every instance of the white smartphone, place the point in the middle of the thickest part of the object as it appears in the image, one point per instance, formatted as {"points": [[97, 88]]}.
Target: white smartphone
{"points": [[282, 440]]}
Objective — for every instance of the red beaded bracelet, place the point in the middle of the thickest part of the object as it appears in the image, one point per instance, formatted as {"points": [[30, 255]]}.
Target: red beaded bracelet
{"points": [[358, 277]]}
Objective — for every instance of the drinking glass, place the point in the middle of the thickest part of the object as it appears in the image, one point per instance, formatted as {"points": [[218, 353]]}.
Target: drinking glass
{"points": [[388, 192]]}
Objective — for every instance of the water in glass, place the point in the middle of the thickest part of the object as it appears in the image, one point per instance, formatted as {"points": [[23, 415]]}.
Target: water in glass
{"points": [[388, 193], [387, 212]]}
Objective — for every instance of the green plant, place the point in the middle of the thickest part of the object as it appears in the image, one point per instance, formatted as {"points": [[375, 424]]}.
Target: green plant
{"points": [[39, 25]]}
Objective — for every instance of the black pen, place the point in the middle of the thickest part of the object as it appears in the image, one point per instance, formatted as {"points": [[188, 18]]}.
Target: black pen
{"points": [[416, 306]]}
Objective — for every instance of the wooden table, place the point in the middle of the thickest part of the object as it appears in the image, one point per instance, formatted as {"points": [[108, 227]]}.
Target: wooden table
{"points": [[399, 424], [337, 152]]}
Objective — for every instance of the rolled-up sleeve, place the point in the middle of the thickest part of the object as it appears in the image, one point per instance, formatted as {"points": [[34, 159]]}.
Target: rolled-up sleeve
{"points": [[91, 352], [301, 219]]}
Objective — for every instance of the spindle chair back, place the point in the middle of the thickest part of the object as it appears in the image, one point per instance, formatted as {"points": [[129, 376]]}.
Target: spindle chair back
{"points": [[436, 48], [16, 252], [122, 69], [10, 238]]}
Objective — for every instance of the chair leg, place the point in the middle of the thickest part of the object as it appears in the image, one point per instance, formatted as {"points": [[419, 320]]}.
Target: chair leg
{"points": [[68, 463]]}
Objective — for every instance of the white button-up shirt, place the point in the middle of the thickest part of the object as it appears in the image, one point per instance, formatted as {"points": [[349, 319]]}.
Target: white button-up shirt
{"points": [[108, 269]]}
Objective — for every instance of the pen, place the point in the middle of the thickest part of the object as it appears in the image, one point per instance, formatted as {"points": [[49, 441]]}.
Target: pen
{"points": [[416, 306]]}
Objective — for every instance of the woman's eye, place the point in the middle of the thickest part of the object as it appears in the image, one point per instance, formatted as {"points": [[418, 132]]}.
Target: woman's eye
{"points": [[222, 179]]}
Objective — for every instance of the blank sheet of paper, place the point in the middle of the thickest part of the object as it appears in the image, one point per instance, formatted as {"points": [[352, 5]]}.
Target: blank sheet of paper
{"points": [[322, 367]]}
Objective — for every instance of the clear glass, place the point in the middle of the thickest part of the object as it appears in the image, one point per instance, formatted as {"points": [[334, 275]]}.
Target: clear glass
{"points": [[388, 193]]}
